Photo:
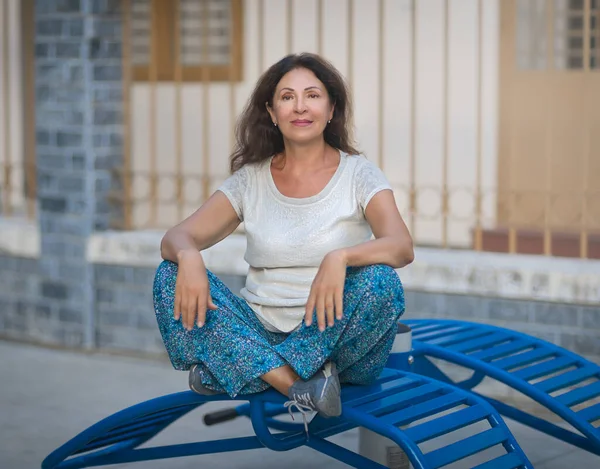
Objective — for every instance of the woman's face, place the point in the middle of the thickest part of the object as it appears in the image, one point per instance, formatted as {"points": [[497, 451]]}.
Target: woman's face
{"points": [[301, 106]]}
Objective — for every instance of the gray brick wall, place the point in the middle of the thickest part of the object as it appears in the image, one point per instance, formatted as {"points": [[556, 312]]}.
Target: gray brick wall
{"points": [[124, 311], [78, 143]]}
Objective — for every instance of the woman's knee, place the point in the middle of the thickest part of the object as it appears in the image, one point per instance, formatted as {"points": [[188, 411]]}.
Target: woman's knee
{"points": [[378, 279]]}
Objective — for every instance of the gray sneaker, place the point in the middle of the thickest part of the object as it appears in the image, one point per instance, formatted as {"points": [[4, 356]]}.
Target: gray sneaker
{"points": [[320, 393], [196, 383]]}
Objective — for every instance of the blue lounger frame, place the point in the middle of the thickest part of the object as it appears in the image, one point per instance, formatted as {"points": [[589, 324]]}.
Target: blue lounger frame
{"points": [[558, 379], [398, 398]]}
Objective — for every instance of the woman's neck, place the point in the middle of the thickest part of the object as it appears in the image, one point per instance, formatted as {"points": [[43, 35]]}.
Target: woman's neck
{"points": [[300, 158]]}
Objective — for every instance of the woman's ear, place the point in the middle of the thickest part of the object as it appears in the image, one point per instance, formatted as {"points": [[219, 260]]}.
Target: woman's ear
{"points": [[331, 112], [271, 113]]}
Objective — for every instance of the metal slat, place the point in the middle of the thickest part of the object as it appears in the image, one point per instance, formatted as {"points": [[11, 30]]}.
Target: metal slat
{"points": [[424, 409], [479, 343], [381, 390], [464, 448], [566, 379], [506, 461], [522, 359], [579, 395], [590, 414], [458, 338], [545, 368], [430, 328], [502, 350], [446, 424], [400, 400], [426, 337]]}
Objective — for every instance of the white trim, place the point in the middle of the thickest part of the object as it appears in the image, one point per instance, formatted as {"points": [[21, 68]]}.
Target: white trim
{"points": [[19, 237]]}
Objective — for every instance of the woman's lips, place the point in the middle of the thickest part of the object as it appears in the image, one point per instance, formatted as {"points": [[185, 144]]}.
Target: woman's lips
{"points": [[301, 123]]}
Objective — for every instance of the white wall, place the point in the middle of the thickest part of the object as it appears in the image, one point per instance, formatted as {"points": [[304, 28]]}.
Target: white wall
{"points": [[11, 106], [395, 148]]}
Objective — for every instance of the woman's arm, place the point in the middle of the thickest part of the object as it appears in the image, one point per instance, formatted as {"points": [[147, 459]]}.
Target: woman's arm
{"points": [[213, 221], [392, 245]]}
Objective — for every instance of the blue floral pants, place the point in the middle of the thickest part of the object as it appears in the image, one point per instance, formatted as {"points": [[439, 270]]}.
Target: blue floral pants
{"points": [[233, 349]]}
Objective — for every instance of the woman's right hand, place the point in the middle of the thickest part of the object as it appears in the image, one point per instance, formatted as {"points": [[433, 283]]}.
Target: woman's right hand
{"points": [[192, 292]]}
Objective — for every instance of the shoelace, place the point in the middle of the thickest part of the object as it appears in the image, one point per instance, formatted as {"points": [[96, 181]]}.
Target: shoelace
{"points": [[303, 404]]}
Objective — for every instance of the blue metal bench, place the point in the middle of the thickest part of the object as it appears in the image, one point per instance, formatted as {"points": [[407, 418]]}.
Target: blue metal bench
{"points": [[563, 382], [398, 399]]}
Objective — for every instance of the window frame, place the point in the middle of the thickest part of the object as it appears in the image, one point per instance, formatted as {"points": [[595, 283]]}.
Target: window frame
{"points": [[163, 40]]}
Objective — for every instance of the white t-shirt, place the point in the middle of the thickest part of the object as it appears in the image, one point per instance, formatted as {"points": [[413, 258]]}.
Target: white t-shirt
{"points": [[287, 238]]}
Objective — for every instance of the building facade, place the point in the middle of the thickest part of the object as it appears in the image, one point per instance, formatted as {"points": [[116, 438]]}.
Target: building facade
{"points": [[118, 116]]}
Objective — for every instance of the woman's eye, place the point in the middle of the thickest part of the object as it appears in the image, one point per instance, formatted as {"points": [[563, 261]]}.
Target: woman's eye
{"points": [[313, 95], [287, 97]]}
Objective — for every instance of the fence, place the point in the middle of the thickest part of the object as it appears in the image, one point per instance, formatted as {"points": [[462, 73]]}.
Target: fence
{"points": [[444, 90]]}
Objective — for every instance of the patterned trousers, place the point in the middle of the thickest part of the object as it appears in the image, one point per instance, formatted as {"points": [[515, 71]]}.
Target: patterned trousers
{"points": [[233, 349]]}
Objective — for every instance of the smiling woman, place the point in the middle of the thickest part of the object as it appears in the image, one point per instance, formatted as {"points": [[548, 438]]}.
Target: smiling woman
{"points": [[322, 298]]}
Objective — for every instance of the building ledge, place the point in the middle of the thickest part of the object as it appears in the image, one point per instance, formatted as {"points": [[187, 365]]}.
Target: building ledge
{"points": [[19, 237], [516, 276]]}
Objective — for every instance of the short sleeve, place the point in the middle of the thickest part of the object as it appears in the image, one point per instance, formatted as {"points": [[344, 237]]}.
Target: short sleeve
{"points": [[234, 188], [369, 181]]}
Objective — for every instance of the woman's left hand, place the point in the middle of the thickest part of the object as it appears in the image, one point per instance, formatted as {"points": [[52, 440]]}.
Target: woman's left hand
{"points": [[327, 291]]}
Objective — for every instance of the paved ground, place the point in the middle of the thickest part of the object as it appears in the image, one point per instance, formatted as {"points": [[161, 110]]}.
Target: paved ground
{"points": [[47, 396]]}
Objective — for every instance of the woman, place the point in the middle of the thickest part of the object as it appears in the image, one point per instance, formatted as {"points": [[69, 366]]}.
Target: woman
{"points": [[322, 298]]}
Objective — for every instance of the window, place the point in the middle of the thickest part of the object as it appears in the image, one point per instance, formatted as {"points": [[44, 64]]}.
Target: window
{"points": [[187, 40], [559, 24]]}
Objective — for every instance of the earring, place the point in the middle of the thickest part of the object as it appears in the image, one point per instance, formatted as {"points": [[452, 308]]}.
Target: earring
{"points": [[275, 124], [329, 121]]}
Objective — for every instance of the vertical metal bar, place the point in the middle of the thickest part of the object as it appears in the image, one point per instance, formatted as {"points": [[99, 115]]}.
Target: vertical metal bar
{"points": [[206, 104], [261, 36], [446, 120], [8, 160], [233, 63], [512, 195], [27, 39], [549, 127], [179, 181], [583, 239], [153, 75], [381, 84], [413, 120], [126, 170], [319, 27], [350, 43], [479, 142], [289, 25], [587, 35]]}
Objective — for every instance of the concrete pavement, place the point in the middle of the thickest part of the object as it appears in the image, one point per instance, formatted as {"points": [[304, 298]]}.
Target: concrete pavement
{"points": [[47, 396]]}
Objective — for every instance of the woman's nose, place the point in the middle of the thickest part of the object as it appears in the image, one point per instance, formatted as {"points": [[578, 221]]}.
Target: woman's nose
{"points": [[299, 105]]}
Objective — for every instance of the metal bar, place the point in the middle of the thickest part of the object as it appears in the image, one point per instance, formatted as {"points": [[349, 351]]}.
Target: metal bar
{"points": [[413, 120], [233, 63], [381, 84], [205, 104], [28, 42], [512, 232], [350, 43], [586, 129], [319, 27], [289, 21], [261, 36], [179, 181], [153, 75], [446, 120], [479, 139], [126, 170], [8, 161], [549, 127]]}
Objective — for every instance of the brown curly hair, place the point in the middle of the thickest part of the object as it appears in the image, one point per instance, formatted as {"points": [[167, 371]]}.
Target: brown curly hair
{"points": [[258, 139]]}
